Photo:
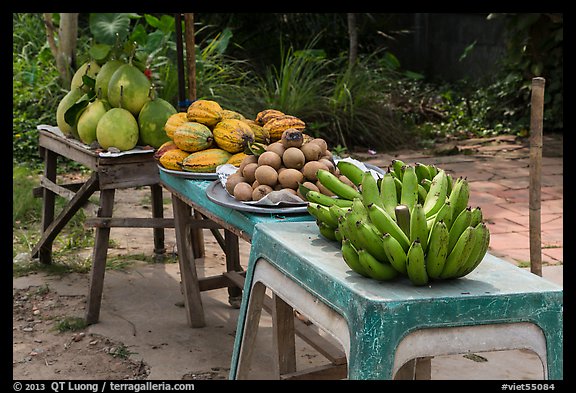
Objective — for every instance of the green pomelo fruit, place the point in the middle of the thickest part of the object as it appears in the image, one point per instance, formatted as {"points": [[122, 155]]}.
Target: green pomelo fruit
{"points": [[117, 128], [67, 101], [90, 68], [103, 77], [151, 120], [134, 86], [89, 119]]}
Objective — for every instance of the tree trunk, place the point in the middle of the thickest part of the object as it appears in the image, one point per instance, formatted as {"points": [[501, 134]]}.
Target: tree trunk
{"points": [[64, 48], [353, 35]]}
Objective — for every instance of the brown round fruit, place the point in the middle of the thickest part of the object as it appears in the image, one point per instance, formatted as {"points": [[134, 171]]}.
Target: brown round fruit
{"points": [[320, 142], [232, 180], [243, 191], [345, 180], [293, 158], [312, 151], [290, 178], [323, 189], [276, 147], [267, 175], [270, 158], [310, 186], [329, 164], [311, 168], [260, 192], [292, 138], [248, 172], [247, 160]]}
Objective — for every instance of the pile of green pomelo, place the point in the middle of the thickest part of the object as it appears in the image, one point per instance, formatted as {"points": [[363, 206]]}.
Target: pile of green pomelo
{"points": [[115, 105]]}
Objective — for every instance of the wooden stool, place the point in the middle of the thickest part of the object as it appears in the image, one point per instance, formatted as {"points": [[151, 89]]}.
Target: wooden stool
{"points": [[388, 329], [108, 174]]}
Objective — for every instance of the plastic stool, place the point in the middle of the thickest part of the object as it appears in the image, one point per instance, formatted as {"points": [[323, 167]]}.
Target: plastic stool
{"points": [[384, 325]]}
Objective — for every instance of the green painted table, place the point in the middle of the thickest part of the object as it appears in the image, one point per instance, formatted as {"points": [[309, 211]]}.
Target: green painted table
{"points": [[193, 211], [383, 325]]}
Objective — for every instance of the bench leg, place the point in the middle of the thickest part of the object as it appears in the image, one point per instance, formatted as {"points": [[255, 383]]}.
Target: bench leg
{"points": [[158, 212], [48, 203], [252, 320], [99, 258], [283, 336], [187, 262], [232, 251]]}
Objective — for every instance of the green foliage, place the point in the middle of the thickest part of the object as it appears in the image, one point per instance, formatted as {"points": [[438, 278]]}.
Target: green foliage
{"points": [[70, 324]]}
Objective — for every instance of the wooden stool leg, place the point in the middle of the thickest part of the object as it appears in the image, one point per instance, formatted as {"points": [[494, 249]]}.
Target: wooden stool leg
{"points": [[99, 258], [187, 262], [232, 250], [158, 212], [198, 238], [48, 203], [283, 336], [252, 320]]}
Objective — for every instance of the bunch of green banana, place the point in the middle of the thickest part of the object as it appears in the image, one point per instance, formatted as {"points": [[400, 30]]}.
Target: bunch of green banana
{"points": [[414, 221]]}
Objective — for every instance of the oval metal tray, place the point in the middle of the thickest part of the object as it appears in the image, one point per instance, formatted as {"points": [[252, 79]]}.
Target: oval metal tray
{"points": [[190, 175], [217, 194]]}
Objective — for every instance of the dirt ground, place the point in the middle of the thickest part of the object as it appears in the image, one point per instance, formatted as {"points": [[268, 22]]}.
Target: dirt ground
{"points": [[42, 352]]}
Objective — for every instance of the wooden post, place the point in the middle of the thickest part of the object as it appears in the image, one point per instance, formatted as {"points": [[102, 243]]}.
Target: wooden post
{"points": [[190, 54], [536, 120]]}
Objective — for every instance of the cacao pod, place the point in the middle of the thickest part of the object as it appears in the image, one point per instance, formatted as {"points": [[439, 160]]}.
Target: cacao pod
{"points": [[278, 125], [191, 137], [172, 159], [233, 135], [266, 115], [205, 161], [173, 122], [205, 112]]}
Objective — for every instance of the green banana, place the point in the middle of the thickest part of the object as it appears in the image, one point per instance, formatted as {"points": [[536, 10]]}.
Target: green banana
{"points": [[386, 224], [409, 195], [477, 216], [416, 264], [437, 194], [336, 211], [476, 246], [402, 213], [422, 193], [334, 184], [351, 171], [395, 253], [426, 184], [377, 270], [433, 169], [326, 231], [322, 214], [338, 235], [398, 184], [388, 193], [422, 171], [459, 254], [437, 250], [370, 239], [444, 214], [359, 208], [461, 222], [450, 182], [418, 227], [350, 256], [370, 191], [475, 260], [459, 196], [397, 166], [322, 199]]}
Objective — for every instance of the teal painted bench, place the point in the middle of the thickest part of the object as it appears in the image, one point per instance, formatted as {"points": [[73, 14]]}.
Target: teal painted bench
{"points": [[383, 326]]}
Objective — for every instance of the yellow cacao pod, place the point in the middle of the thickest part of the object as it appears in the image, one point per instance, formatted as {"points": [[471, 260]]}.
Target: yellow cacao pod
{"points": [[173, 122], [236, 159], [191, 136], [229, 114], [173, 158], [260, 134], [278, 125], [205, 161], [163, 148], [232, 135], [205, 112], [266, 115]]}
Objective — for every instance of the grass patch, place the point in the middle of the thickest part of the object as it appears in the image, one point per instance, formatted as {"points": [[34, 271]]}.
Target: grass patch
{"points": [[121, 351], [70, 324]]}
